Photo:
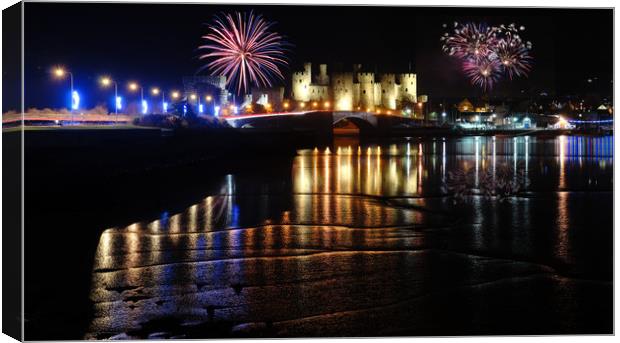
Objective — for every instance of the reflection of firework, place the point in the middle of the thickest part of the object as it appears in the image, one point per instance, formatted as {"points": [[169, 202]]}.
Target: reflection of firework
{"points": [[488, 51], [482, 72], [242, 48]]}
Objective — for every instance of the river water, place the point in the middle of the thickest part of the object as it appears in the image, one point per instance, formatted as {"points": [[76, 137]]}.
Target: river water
{"points": [[364, 240]]}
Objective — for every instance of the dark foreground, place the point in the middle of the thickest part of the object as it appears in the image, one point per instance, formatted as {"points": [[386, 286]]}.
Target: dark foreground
{"points": [[338, 241]]}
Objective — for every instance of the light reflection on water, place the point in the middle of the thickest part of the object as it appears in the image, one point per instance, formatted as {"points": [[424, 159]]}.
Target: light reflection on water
{"points": [[356, 215]]}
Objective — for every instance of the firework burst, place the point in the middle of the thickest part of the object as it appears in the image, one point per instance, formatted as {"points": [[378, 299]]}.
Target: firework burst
{"points": [[514, 56], [243, 48], [470, 41], [489, 52], [482, 72]]}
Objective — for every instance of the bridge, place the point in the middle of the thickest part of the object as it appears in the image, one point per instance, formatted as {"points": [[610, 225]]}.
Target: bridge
{"points": [[322, 121]]}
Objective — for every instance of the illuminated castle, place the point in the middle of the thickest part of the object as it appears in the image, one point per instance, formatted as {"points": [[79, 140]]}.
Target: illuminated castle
{"points": [[355, 90]]}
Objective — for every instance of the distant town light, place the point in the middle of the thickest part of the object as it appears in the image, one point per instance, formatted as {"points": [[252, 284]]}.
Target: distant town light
{"points": [[443, 114]]}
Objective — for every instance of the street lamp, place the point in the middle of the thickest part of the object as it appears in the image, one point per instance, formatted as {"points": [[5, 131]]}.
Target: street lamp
{"points": [[60, 72], [134, 87], [106, 82], [164, 105]]}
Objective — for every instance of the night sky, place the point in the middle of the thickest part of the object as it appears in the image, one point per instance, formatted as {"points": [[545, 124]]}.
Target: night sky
{"points": [[155, 44]]}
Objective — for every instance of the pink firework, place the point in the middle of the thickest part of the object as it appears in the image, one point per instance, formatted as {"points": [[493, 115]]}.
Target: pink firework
{"points": [[470, 41], [482, 72], [243, 48], [487, 52]]}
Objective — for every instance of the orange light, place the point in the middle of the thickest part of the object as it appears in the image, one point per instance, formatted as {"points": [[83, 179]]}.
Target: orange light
{"points": [[326, 104], [208, 98], [59, 72], [133, 86], [175, 94], [155, 91], [302, 105], [315, 104]]}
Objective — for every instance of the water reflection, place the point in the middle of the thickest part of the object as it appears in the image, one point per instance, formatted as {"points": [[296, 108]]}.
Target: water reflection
{"points": [[358, 215]]}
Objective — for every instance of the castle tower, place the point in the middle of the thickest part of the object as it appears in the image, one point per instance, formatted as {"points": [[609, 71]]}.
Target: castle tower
{"points": [[356, 69], [322, 79], [342, 90], [301, 83], [408, 87], [367, 91], [388, 91]]}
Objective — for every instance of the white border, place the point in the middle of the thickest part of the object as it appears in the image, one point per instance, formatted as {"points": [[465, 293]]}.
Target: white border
{"points": [[468, 3]]}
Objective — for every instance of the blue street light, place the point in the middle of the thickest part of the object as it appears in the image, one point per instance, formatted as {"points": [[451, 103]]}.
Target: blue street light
{"points": [[184, 110], [200, 109], [145, 107], [119, 103], [217, 111], [75, 100], [165, 106]]}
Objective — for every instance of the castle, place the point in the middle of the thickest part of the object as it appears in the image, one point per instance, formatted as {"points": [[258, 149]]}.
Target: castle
{"points": [[354, 90]]}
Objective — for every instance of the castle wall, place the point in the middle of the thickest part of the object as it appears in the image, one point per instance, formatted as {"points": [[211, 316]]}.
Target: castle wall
{"points": [[319, 92], [342, 91], [377, 95]]}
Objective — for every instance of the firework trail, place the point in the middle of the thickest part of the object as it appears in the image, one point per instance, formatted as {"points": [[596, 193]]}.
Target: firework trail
{"points": [[243, 48], [489, 52]]}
